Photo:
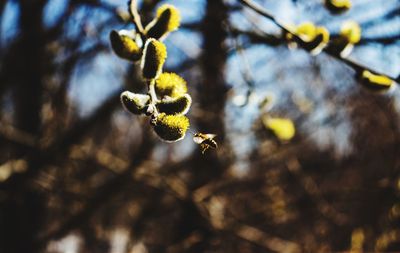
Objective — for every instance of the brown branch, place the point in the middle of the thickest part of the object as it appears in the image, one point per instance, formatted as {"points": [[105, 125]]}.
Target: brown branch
{"points": [[16, 136], [256, 37], [355, 65], [264, 240], [386, 40], [191, 26]]}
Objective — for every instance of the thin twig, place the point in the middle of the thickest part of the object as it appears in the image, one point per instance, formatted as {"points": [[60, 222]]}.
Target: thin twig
{"points": [[355, 65], [258, 37], [152, 91], [136, 17], [246, 69], [263, 12], [17, 136]]}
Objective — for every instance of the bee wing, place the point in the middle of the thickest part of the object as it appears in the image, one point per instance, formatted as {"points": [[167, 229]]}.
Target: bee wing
{"points": [[198, 139], [210, 136]]}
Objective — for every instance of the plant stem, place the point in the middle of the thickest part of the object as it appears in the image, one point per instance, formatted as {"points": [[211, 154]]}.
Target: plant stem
{"points": [[153, 98], [135, 15], [152, 91]]}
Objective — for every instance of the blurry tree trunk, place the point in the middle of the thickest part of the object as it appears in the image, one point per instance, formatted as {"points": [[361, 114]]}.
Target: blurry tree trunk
{"points": [[212, 90], [30, 67], [213, 87], [212, 93], [24, 206]]}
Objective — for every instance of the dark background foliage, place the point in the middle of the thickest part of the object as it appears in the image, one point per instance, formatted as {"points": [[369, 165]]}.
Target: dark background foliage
{"points": [[79, 174]]}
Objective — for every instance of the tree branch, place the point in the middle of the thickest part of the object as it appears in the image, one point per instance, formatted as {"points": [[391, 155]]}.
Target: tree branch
{"points": [[355, 65]]}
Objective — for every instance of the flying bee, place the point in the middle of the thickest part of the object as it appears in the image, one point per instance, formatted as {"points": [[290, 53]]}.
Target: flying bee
{"points": [[205, 141]]}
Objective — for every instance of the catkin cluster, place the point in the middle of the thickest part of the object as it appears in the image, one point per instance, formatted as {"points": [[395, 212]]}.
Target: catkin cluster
{"points": [[166, 101], [315, 38]]}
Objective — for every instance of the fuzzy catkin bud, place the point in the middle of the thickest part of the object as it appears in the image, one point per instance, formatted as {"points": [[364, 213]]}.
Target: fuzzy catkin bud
{"points": [[313, 38], [282, 128], [171, 85], [337, 6], [154, 55], [306, 31], [376, 82], [135, 103], [350, 34], [124, 45], [320, 41], [171, 106], [171, 128], [351, 31], [167, 20]]}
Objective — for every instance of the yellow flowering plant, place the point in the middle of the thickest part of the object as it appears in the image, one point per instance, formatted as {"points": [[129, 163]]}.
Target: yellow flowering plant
{"points": [[166, 101], [350, 34], [338, 6], [310, 37]]}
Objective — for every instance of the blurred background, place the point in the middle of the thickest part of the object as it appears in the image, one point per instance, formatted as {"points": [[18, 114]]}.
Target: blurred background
{"points": [[80, 174]]}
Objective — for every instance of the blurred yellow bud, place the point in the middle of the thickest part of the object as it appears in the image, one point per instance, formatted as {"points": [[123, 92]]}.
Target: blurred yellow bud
{"points": [[154, 55], [338, 6], [357, 240], [282, 128], [171, 106], [376, 82], [320, 41], [170, 84], [124, 45], [306, 31], [171, 128], [350, 34], [351, 30], [313, 38], [167, 20], [135, 103]]}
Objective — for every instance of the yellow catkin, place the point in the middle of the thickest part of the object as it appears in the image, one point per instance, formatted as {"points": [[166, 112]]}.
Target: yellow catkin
{"points": [[351, 31], [175, 17], [125, 46], [134, 103], [179, 105], [167, 20], [324, 32], [170, 84], [338, 6], [374, 81], [171, 128], [314, 38], [154, 55], [306, 31], [350, 34], [283, 129], [341, 3]]}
